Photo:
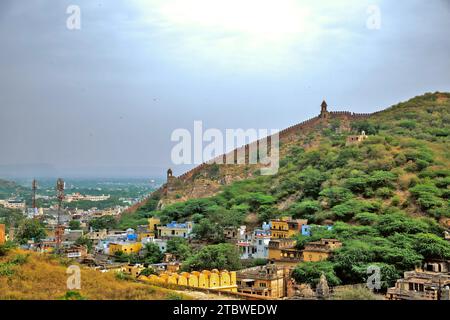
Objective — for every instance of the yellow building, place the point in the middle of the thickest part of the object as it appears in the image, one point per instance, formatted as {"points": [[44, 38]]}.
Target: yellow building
{"points": [[214, 279], [285, 227], [268, 281], [175, 229], [320, 250], [146, 234], [125, 247], [2, 234], [153, 224], [133, 270], [283, 252]]}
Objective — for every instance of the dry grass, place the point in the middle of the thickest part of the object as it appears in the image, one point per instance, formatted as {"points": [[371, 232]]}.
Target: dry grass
{"points": [[43, 277]]}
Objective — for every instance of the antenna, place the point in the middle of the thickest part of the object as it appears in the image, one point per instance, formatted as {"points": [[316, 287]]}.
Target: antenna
{"points": [[60, 195], [34, 188]]}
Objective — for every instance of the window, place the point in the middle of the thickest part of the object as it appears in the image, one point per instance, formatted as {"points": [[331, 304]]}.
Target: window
{"points": [[262, 284]]}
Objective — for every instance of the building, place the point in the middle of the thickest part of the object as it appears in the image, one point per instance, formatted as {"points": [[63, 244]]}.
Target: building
{"points": [[320, 250], [2, 234], [76, 252], [268, 281], [214, 279], [161, 243], [133, 270], [15, 204], [231, 233], [153, 224], [71, 235], [79, 197], [97, 235], [125, 247], [351, 140], [423, 284], [283, 252], [253, 244], [286, 227], [175, 229]]}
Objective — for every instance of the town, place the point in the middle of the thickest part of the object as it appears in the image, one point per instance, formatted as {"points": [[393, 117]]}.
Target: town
{"points": [[151, 253]]}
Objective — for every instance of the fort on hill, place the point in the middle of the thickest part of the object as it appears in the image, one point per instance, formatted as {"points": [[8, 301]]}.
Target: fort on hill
{"points": [[186, 186]]}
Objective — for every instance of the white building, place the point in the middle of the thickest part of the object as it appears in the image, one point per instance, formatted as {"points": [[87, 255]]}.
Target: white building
{"points": [[255, 244]]}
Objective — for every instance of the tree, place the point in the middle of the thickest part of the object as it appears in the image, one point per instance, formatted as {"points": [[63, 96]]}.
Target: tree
{"points": [[310, 181], [30, 229], [431, 246], [336, 195], [152, 253], [304, 209], [85, 241], [74, 225], [179, 247], [207, 230], [220, 256], [105, 222], [310, 273]]}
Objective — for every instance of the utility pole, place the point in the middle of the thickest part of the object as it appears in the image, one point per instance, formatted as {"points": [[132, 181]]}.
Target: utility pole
{"points": [[60, 196]]}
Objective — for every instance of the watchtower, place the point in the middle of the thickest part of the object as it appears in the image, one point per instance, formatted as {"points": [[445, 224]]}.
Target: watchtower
{"points": [[324, 110]]}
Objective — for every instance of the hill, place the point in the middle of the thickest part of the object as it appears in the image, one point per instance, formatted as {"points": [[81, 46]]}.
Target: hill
{"points": [[387, 196], [32, 276]]}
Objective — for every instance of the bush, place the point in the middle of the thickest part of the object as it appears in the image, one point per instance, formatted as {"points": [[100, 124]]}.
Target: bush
{"points": [[221, 256], [336, 195], [366, 218], [310, 273]]}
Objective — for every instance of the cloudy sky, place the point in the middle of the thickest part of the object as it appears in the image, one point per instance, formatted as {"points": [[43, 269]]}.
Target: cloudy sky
{"points": [[103, 100]]}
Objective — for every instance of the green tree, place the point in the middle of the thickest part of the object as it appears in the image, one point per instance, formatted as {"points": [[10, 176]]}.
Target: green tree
{"points": [[152, 253], [74, 225], [179, 247], [207, 230], [105, 222], [85, 241], [220, 256], [431, 246], [336, 195], [310, 273], [30, 229]]}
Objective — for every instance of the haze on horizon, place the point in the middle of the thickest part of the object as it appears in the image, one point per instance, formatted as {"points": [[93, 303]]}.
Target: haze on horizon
{"points": [[104, 100]]}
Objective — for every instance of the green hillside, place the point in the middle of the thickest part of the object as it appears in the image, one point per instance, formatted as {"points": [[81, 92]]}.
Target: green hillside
{"points": [[388, 197]]}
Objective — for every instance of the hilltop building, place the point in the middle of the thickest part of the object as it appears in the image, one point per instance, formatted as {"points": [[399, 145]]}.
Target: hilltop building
{"points": [[356, 139], [323, 110]]}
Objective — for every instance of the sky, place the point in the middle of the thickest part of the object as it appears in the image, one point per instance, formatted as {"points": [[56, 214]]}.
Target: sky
{"points": [[103, 99]]}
